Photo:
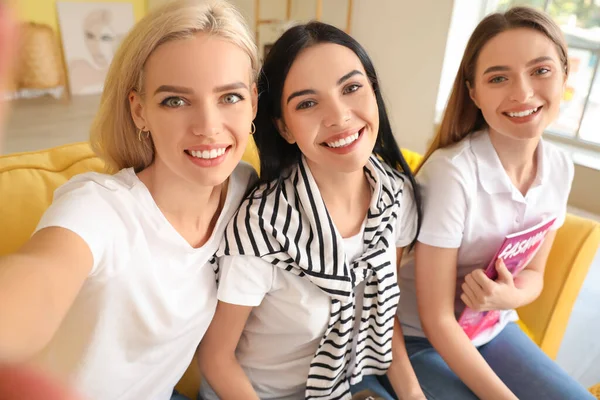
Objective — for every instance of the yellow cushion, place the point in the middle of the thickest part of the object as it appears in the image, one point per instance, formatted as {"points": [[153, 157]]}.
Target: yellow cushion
{"points": [[413, 159], [595, 390], [27, 184], [571, 255]]}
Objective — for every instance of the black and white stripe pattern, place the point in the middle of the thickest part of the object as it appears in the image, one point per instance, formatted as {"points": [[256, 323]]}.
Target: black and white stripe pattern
{"points": [[289, 226]]}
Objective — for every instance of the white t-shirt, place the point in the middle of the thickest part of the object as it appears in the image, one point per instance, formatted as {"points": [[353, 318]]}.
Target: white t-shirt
{"points": [[290, 314], [134, 326], [470, 203]]}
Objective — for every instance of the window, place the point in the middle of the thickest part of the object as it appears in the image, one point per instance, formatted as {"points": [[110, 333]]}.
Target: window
{"points": [[579, 119]]}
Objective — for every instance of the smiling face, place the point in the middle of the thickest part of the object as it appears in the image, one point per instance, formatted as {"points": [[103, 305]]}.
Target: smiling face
{"points": [[519, 82], [329, 108], [198, 104]]}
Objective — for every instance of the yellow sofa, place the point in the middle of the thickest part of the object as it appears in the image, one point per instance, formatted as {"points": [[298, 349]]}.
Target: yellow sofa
{"points": [[28, 180]]}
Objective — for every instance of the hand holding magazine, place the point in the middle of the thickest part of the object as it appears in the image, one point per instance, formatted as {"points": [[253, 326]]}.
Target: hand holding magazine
{"points": [[517, 250]]}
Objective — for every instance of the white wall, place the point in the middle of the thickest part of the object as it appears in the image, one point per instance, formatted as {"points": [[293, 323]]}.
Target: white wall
{"points": [[406, 40]]}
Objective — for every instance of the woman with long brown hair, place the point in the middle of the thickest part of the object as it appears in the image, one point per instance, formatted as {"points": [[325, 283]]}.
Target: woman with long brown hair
{"points": [[488, 174]]}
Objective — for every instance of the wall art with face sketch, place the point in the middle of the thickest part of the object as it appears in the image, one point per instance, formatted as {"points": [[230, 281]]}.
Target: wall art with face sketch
{"points": [[91, 33]]}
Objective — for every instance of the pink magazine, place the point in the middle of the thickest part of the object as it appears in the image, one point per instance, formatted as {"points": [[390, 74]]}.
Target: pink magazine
{"points": [[517, 250]]}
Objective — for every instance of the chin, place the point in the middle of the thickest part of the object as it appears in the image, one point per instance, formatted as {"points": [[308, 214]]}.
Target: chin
{"points": [[526, 134], [210, 181], [353, 164], [209, 177]]}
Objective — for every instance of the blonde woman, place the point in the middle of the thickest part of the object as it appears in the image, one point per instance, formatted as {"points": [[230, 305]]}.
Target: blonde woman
{"points": [[116, 287]]}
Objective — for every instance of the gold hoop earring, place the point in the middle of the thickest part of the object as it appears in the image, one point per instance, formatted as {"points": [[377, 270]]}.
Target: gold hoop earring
{"points": [[146, 135], [252, 128]]}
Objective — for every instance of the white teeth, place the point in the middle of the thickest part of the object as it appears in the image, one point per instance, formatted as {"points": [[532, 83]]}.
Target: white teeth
{"points": [[343, 142], [208, 154], [522, 114]]}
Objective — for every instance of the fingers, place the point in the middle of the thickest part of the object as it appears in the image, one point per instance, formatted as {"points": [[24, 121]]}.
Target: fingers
{"points": [[468, 302], [474, 295], [504, 274], [482, 280]]}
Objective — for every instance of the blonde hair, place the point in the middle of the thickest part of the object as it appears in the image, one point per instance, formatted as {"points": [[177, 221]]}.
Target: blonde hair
{"points": [[462, 117], [114, 136]]}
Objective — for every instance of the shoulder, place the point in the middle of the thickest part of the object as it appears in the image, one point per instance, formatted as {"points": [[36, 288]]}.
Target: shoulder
{"points": [[459, 156], [454, 163], [94, 187], [243, 176], [558, 162]]}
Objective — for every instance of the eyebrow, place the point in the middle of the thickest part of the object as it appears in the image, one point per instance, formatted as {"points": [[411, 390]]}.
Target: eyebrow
{"points": [[186, 90], [173, 89], [230, 86], [499, 68], [348, 76], [311, 91]]}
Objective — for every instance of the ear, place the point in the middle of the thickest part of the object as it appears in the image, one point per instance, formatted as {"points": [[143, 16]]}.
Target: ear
{"points": [[472, 94], [136, 107], [283, 131], [254, 96]]}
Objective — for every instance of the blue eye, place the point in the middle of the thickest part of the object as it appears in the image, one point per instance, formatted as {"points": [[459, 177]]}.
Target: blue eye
{"points": [[305, 104], [173, 102], [497, 79], [352, 88], [232, 98]]}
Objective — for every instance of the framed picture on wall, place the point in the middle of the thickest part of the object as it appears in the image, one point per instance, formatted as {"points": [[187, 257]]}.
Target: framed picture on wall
{"points": [[269, 33], [91, 33]]}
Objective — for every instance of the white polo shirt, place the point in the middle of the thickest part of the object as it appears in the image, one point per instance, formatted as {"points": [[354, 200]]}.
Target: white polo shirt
{"points": [[135, 324], [290, 314], [470, 203]]}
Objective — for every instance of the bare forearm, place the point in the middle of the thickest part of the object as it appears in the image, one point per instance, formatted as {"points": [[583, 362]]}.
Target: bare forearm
{"points": [[462, 357], [25, 310], [400, 373], [38, 285], [225, 376], [529, 284]]}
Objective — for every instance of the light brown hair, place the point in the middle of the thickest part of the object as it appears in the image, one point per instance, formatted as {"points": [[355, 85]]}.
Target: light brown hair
{"points": [[462, 117], [114, 136]]}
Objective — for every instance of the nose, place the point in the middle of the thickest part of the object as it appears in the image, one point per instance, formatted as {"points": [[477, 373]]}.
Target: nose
{"points": [[206, 120], [337, 113], [521, 90]]}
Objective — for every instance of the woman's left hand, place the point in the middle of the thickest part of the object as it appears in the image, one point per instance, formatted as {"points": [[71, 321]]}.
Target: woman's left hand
{"points": [[480, 293]]}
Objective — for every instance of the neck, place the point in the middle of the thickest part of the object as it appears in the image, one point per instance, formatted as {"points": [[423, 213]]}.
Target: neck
{"points": [[518, 157], [346, 195], [192, 210]]}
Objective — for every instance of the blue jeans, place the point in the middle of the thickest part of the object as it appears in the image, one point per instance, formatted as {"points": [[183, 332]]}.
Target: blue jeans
{"points": [[376, 384], [519, 362]]}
